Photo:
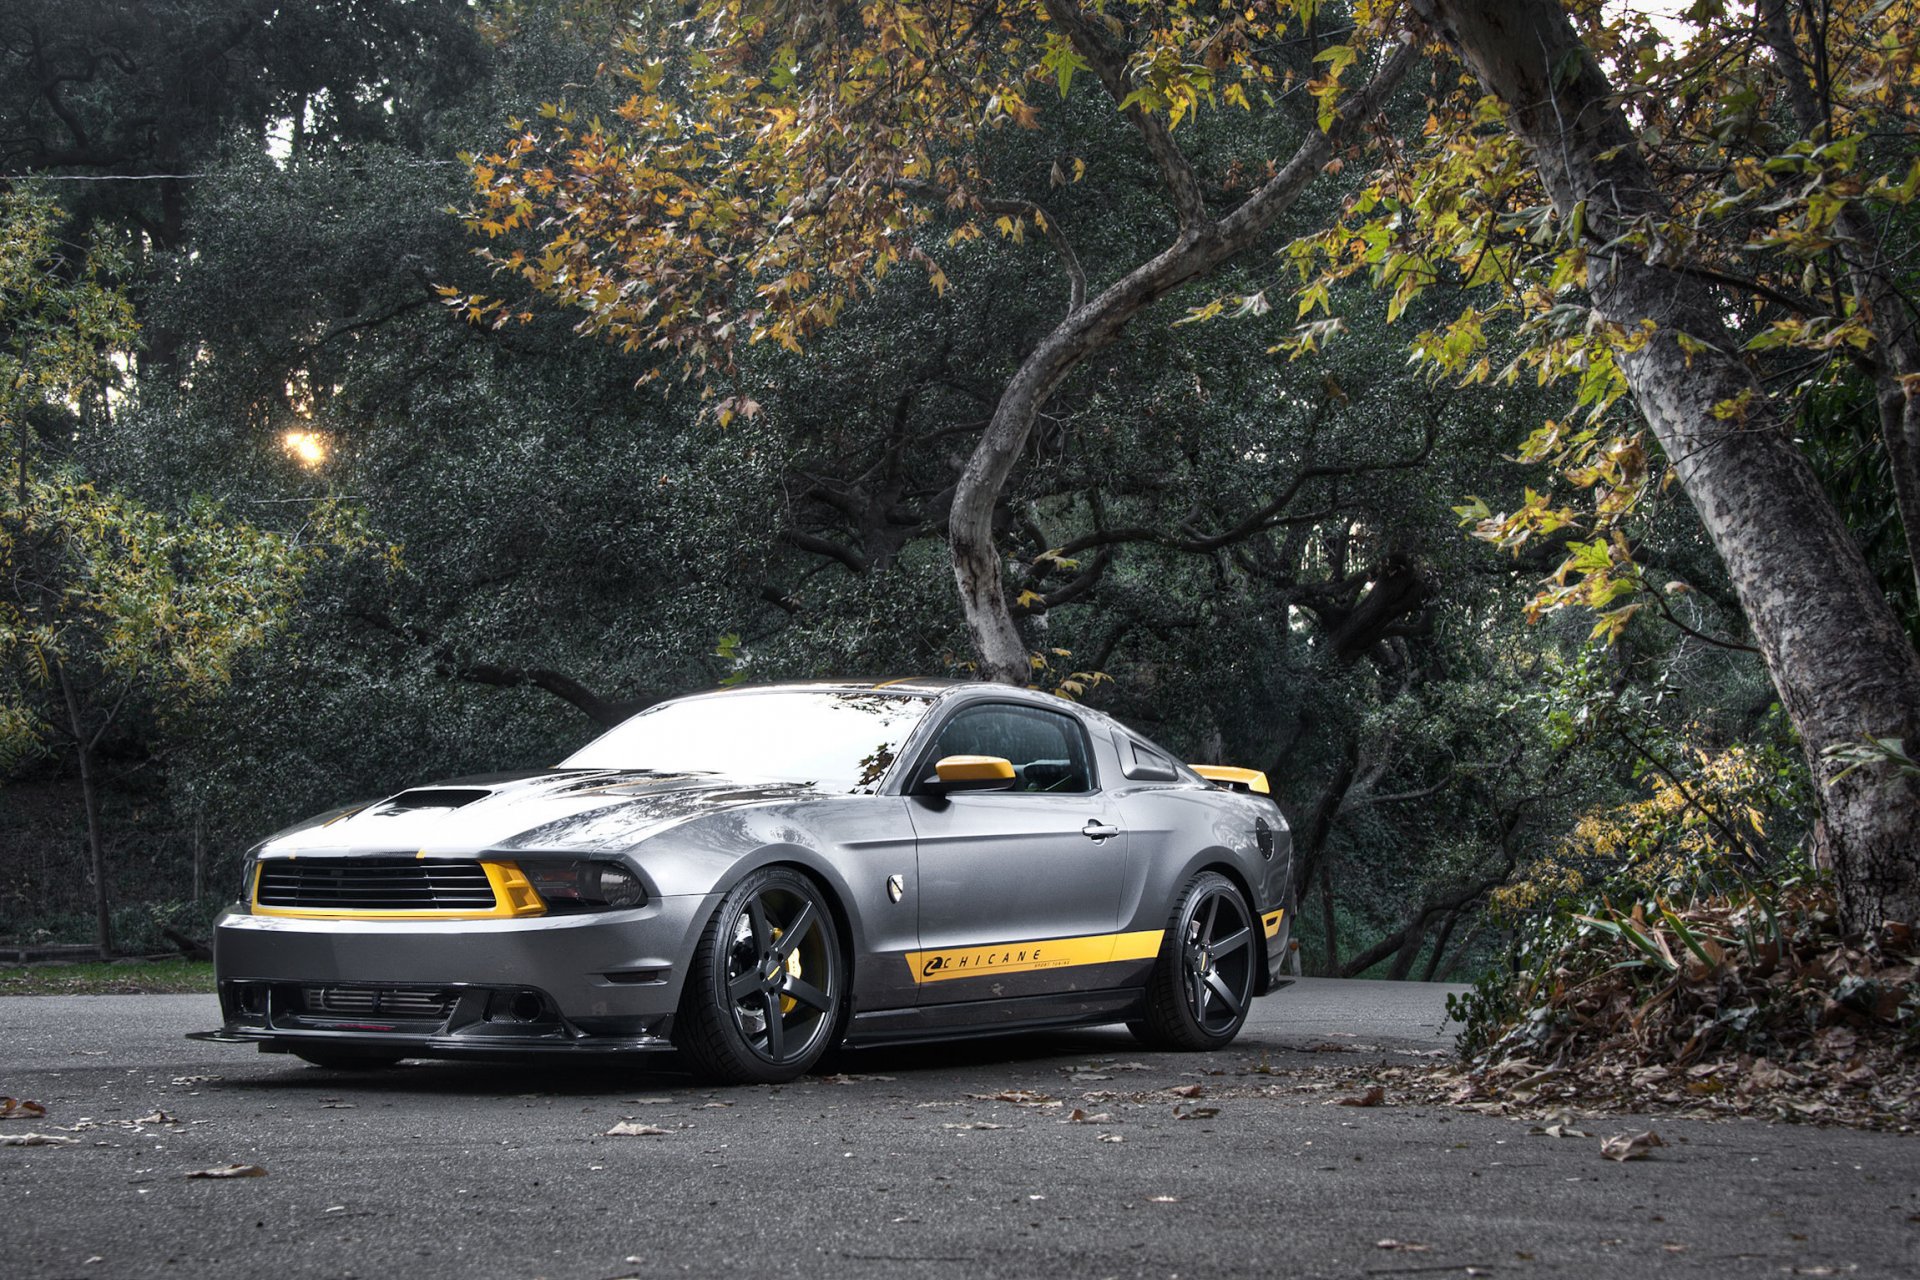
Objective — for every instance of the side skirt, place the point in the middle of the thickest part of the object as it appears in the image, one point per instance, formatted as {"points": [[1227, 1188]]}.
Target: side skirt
{"points": [[994, 1017]]}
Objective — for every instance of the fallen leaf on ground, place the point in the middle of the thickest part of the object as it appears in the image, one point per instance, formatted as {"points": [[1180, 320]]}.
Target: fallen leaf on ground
{"points": [[1163, 1199], [1110, 1137], [1403, 1246], [1558, 1129], [973, 1124], [1630, 1146], [1376, 1096], [1187, 1090], [158, 1117], [36, 1140], [20, 1109], [843, 1077], [1078, 1116], [1197, 1113], [231, 1171], [632, 1129], [1018, 1097]]}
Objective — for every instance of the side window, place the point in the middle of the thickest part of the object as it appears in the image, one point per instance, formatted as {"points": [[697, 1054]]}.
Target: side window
{"points": [[1048, 750]]}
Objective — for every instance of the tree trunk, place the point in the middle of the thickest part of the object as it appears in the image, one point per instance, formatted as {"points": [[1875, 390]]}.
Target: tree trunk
{"points": [[1331, 925], [1440, 944], [1202, 244], [1836, 653], [90, 799], [1896, 336]]}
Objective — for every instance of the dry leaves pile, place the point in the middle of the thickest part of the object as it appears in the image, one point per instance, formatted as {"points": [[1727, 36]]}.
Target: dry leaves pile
{"points": [[1754, 1007]]}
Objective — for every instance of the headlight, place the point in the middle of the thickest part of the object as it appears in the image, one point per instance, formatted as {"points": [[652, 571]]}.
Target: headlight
{"points": [[248, 863], [577, 885]]}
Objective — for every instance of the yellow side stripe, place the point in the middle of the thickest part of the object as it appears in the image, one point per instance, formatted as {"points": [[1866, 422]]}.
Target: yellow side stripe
{"points": [[1025, 957]]}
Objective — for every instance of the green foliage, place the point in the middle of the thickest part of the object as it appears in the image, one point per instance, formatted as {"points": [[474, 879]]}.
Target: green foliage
{"points": [[61, 321], [142, 604]]}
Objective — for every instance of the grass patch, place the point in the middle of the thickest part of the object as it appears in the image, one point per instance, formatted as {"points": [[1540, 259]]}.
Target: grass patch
{"points": [[109, 978]]}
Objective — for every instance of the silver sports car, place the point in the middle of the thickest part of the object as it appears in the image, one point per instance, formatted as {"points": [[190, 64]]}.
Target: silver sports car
{"points": [[756, 875]]}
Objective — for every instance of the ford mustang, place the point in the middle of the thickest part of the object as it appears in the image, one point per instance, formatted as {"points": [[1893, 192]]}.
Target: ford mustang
{"points": [[754, 876]]}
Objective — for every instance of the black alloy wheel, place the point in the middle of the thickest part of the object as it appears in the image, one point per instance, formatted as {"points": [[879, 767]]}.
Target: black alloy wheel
{"points": [[765, 993], [1201, 987]]}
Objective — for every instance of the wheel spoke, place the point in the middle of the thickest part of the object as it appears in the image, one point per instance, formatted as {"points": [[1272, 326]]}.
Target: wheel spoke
{"points": [[1213, 916], [1230, 944], [776, 1046], [806, 993], [743, 986], [1197, 992], [762, 935], [1219, 987], [803, 922]]}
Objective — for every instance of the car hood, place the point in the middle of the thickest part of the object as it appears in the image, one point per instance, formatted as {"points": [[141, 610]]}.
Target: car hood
{"points": [[551, 811]]}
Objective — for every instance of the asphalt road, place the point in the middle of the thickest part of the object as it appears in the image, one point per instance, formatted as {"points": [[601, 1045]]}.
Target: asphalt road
{"points": [[903, 1165]]}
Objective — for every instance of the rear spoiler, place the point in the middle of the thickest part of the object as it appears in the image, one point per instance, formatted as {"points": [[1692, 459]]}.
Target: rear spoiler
{"points": [[1231, 778]]}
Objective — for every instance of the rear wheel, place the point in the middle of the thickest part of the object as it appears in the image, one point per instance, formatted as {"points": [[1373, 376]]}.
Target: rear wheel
{"points": [[1202, 984], [766, 988]]}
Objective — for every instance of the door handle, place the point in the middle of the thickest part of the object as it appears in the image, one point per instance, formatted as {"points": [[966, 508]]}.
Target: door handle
{"points": [[1096, 831]]}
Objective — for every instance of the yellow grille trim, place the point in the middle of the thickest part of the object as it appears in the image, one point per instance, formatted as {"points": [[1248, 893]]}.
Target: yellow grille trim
{"points": [[513, 897]]}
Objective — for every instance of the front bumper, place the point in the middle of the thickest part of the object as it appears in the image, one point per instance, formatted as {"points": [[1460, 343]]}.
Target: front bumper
{"points": [[605, 982]]}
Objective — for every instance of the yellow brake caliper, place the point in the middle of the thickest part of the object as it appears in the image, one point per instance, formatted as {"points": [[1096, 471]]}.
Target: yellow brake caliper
{"points": [[788, 1003]]}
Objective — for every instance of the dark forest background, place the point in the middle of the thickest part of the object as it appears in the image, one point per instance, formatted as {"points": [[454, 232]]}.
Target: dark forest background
{"points": [[510, 541]]}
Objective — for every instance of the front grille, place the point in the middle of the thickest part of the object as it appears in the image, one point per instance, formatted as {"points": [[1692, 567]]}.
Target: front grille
{"points": [[375, 884], [430, 1003]]}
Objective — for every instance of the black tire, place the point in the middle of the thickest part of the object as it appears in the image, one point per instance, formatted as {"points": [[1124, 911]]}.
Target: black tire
{"points": [[1201, 986], [767, 986], [344, 1059]]}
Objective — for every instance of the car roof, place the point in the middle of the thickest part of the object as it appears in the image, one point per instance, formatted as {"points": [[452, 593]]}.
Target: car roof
{"points": [[937, 687]]}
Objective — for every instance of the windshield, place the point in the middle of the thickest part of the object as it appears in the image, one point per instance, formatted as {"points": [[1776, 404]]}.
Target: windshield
{"points": [[839, 742]]}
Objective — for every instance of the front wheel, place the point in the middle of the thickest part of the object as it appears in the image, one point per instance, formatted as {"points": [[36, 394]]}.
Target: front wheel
{"points": [[1201, 987], [766, 987]]}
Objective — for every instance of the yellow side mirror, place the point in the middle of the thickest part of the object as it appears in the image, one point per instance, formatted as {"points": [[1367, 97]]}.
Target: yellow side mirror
{"points": [[974, 771], [1233, 778]]}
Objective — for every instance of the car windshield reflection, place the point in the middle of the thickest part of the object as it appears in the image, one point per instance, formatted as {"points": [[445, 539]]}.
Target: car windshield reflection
{"points": [[837, 742]]}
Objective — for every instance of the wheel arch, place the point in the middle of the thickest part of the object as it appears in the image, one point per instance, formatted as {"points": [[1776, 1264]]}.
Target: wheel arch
{"points": [[833, 886], [1219, 862]]}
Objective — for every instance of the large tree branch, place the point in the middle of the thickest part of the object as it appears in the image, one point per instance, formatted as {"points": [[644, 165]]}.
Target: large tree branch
{"points": [[604, 712], [1110, 68], [1197, 250]]}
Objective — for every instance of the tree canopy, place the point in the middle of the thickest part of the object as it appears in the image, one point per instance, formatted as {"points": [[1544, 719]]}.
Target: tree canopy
{"points": [[792, 328]]}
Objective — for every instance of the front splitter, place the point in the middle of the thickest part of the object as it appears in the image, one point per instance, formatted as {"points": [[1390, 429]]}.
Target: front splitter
{"points": [[437, 1046]]}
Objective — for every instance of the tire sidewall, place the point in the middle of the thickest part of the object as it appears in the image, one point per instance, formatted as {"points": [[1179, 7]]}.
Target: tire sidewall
{"points": [[738, 1060], [1173, 959]]}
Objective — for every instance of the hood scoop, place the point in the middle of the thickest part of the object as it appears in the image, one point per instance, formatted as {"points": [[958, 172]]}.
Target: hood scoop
{"points": [[430, 798]]}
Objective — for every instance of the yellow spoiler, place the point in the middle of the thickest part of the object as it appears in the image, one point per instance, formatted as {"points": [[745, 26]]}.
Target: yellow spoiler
{"points": [[1233, 778]]}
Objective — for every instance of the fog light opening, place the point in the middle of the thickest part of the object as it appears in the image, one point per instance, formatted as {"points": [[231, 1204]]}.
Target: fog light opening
{"points": [[526, 1006]]}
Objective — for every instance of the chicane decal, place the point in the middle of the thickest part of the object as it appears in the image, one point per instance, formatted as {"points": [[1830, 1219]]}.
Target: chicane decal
{"points": [[1022, 957], [1272, 922]]}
